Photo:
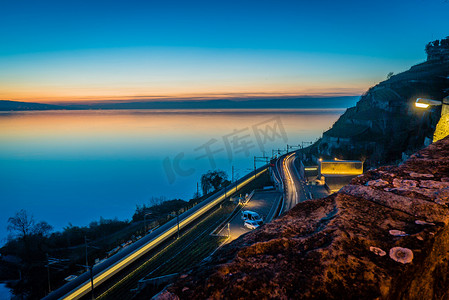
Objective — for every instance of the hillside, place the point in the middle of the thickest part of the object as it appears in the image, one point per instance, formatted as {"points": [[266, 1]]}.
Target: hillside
{"points": [[384, 236], [6, 105], [384, 125]]}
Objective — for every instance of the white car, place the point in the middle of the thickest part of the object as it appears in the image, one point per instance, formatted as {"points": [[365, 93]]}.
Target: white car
{"points": [[250, 215], [250, 224]]}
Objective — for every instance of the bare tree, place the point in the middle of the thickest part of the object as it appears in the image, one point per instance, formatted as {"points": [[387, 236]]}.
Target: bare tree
{"points": [[23, 225]]}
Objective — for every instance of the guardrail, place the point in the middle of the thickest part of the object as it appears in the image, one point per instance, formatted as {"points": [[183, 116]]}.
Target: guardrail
{"points": [[80, 286], [301, 175], [276, 175]]}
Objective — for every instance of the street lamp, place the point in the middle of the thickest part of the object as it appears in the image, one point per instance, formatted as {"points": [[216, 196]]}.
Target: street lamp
{"points": [[442, 129], [425, 103]]}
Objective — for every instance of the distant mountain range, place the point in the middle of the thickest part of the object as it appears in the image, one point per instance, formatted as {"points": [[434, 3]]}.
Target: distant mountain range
{"points": [[279, 103], [6, 105]]}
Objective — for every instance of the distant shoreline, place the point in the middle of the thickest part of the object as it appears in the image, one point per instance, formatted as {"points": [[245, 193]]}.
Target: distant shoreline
{"points": [[253, 104], [186, 111]]}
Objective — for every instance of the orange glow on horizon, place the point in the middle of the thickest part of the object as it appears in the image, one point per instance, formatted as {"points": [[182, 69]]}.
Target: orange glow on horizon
{"points": [[78, 97], [83, 93]]}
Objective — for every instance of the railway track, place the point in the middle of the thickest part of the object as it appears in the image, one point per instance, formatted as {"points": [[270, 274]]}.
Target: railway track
{"points": [[177, 255]]}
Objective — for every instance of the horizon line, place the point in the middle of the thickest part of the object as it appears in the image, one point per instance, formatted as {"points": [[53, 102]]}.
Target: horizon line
{"points": [[237, 97]]}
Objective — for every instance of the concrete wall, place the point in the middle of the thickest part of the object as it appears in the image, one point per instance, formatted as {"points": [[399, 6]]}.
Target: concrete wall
{"points": [[341, 167]]}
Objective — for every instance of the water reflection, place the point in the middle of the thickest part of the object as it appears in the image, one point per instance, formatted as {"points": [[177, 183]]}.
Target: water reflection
{"points": [[75, 166]]}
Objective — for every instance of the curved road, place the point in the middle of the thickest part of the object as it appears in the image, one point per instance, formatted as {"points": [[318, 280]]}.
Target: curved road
{"points": [[294, 185]]}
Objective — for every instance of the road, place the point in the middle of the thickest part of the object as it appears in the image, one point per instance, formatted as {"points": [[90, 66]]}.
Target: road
{"points": [[105, 270], [262, 202], [287, 179], [295, 189]]}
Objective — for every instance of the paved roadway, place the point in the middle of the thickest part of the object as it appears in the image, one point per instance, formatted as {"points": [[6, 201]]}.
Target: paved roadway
{"points": [[262, 202], [296, 190], [294, 186]]}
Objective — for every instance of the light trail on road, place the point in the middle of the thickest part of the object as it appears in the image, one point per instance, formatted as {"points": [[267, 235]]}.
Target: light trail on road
{"points": [[112, 266], [293, 183]]}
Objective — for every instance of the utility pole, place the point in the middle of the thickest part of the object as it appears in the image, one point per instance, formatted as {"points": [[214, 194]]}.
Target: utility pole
{"points": [[177, 219], [145, 214], [277, 151], [235, 179], [302, 144], [259, 159], [92, 281], [85, 242], [197, 190], [291, 147], [48, 274], [255, 167], [90, 268], [50, 262]]}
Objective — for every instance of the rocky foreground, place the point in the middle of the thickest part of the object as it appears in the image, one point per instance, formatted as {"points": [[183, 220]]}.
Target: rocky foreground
{"points": [[385, 235]]}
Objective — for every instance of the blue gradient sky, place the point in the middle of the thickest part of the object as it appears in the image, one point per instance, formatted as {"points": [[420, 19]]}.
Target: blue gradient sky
{"points": [[94, 50]]}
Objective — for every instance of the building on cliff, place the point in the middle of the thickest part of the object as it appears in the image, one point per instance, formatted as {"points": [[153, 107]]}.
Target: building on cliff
{"points": [[438, 50]]}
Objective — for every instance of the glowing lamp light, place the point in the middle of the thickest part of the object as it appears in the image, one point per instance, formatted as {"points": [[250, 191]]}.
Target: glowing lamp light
{"points": [[442, 128], [421, 105], [425, 103]]}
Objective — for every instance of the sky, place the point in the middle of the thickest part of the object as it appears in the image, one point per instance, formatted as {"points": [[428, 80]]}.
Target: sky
{"points": [[73, 51]]}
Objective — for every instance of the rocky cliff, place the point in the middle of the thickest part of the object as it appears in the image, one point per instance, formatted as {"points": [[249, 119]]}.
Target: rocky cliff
{"points": [[386, 235], [385, 125]]}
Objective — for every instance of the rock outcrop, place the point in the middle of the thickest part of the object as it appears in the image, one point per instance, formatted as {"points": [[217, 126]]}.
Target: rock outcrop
{"points": [[384, 236], [384, 125]]}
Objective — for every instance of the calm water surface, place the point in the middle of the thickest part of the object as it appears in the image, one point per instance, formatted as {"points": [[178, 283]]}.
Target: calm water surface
{"points": [[75, 166]]}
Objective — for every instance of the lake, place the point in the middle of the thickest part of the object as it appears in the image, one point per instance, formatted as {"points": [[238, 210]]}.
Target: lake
{"points": [[75, 166]]}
